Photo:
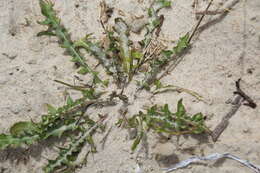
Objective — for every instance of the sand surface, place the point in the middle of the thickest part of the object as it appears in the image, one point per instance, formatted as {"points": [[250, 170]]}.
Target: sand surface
{"points": [[227, 48]]}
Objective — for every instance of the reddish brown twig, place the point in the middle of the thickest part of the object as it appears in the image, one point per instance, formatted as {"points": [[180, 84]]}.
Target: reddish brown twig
{"points": [[250, 102], [236, 105], [225, 120]]}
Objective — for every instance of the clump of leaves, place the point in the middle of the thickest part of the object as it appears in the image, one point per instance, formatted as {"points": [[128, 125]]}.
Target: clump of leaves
{"points": [[55, 123], [120, 58], [122, 61], [154, 21], [59, 121], [161, 120], [67, 156], [166, 56]]}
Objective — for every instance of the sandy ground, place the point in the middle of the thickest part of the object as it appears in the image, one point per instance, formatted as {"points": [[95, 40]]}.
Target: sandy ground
{"points": [[227, 48]]}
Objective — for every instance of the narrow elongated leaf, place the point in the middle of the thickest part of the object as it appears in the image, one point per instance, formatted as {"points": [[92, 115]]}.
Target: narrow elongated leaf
{"points": [[180, 109], [122, 30], [55, 28]]}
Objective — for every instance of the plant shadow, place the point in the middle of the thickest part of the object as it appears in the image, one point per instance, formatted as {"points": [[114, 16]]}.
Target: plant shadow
{"points": [[22, 155]]}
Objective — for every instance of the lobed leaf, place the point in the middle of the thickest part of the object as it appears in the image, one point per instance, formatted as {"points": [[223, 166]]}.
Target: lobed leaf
{"points": [[161, 120], [55, 28], [96, 50], [68, 155], [122, 30], [154, 19]]}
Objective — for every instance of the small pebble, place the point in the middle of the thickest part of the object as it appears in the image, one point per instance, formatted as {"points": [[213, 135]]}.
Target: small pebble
{"points": [[253, 18], [250, 70]]}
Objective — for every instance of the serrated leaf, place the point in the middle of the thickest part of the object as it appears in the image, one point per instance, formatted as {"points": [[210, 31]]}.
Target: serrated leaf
{"points": [[57, 29], [60, 130], [137, 141], [182, 44], [166, 111], [96, 50], [69, 101], [136, 54], [22, 128], [9, 140], [156, 23], [158, 84], [63, 160], [92, 144], [197, 117], [46, 7], [164, 3], [45, 22], [154, 19], [122, 29], [167, 53], [51, 109], [47, 33], [83, 71], [97, 80], [180, 109]]}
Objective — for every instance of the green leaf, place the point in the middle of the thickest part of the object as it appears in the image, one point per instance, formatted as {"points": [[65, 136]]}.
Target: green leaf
{"points": [[136, 54], [197, 117], [122, 29], [182, 44], [46, 7], [97, 51], [97, 80], [156, 23], [158, 84], [180, 109], [89, 93], [92, 144], [67, 155], [137, 141], [48, 33], [45, 22], [9, 140], [150, 12], [69, 101], [105, 82], [60, 130], [55, 28], [165, 3], [167, 53], [83, 71], [51, 109], [22, 128], [166, 111]]}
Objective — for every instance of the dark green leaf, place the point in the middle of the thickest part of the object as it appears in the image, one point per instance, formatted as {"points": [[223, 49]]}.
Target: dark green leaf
{"points": [[69, 101], [182, 44], [22, 128], [137, 141], [83, 71], [51, 109], [180, 109], [48, 33]]}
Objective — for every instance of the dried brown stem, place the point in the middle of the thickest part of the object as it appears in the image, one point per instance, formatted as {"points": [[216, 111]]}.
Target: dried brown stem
{"points": [[236, 105], [199, 22], [225, 120]]}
